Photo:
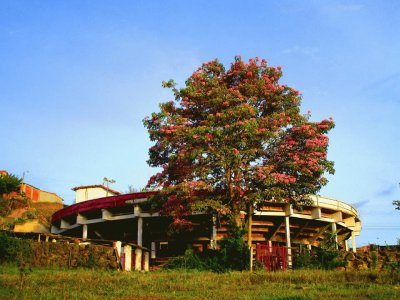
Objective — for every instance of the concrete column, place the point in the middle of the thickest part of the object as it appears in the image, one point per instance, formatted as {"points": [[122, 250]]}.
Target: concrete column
{"points": [[153, 250], [213, 242], [270, 246], [346, 244], [128, 258], [288, 241], [146, 261], [140, 231], [353, 241], [334, 231], [84, 231], [138, 259], [309, 247], [118, 247]]}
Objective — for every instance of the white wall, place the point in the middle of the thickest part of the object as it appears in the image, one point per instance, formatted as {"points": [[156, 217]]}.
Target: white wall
{"points": [[85, 194]]}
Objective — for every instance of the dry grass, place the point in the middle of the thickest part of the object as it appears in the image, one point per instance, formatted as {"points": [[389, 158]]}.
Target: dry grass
{"points": [[94, 284]]}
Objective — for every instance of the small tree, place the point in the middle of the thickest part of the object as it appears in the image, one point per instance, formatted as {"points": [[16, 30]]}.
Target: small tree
{"points": [[234, 139], [9, 183]]}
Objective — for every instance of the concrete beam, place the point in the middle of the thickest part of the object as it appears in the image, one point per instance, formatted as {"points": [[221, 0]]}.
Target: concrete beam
{"points": [[64, 224], [288, 210], [137, 210], [106, 214], [350, 222], [81, 219], [337, 216], [316, 213]]}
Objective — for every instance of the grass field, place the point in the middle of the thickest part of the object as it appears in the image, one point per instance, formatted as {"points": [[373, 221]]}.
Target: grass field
{"points": [[95, 284]]}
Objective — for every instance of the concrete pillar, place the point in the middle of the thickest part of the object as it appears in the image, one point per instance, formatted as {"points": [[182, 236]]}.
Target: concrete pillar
{"points": [[138, 259], [346, 244], [153, 250], [146, 261], [334, 231], [353, 241], [213, 241], [128, 258], [84, 231], [118, 247], [270, 246], [140, 231], [309, 247], [288, 241]]}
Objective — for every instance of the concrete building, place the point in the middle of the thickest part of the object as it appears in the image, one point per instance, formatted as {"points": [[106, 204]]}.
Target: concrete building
{"points": [[125, 218], [89, 192]]}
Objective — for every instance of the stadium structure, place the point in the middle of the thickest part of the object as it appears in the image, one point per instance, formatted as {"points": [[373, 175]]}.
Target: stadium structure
{"points": [[102, 213]]}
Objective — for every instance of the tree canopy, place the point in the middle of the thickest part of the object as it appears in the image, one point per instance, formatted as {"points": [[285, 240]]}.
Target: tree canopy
{"points": [[234, 139], [9, 183]]}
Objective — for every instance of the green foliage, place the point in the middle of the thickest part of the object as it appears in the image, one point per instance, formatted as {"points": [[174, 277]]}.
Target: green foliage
{"points": [[9, 183], [233, 254], [235, 136], [14, 250], [326, 256]]}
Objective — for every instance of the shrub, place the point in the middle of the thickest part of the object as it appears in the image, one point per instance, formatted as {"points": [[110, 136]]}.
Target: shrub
{"points": [[232, 255], [14, 250], [326, 256], [9, 183]]}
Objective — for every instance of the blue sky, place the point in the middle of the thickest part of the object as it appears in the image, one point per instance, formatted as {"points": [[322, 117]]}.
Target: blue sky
{"points": [[78, 77]]}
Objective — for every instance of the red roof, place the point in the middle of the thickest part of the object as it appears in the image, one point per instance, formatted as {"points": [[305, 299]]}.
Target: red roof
{"points": [[99, 203]]}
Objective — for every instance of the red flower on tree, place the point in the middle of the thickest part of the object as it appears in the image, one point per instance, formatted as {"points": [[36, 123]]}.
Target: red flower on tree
{"points": [[234, 139]]}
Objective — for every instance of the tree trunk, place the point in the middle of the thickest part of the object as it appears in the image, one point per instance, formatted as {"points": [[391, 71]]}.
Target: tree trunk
{"points": [[249, 225]]}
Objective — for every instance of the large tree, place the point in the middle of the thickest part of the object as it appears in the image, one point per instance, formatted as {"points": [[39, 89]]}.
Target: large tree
{"points": [[232, 140]]}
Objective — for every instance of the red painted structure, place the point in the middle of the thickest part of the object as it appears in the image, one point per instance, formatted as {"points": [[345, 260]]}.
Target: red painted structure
{"points": [[274, 258], [106, 202]]}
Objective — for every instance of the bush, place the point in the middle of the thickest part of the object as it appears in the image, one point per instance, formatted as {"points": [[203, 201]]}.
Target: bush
{"points": [[232, 255], [14, 250], [9, 183], [326, 256]]}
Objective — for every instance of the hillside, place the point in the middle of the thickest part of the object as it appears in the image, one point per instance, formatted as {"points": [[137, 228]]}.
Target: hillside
{"points": [[22, 214]]}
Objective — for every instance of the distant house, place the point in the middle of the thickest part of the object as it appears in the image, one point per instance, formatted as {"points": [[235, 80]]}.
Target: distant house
{"points": [[89, 192], [35, 194], [38, 195]]}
